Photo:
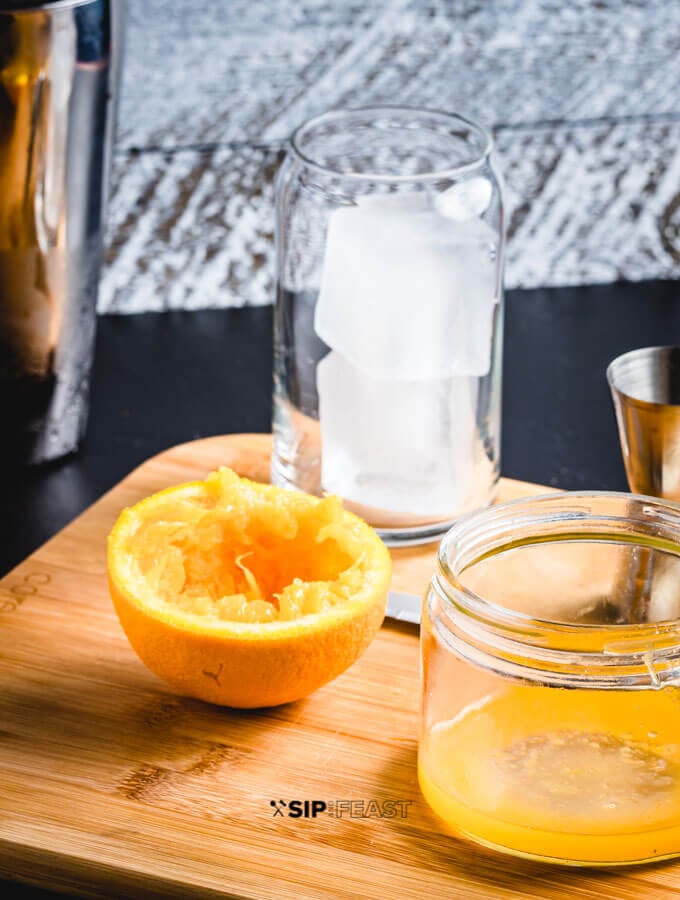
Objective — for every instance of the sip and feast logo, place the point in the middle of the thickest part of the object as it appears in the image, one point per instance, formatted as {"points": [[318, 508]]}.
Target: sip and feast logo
{"points": [[341, 809]]}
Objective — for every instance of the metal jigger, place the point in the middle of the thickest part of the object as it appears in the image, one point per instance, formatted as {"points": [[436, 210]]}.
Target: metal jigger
{"points": [[645, 388]]}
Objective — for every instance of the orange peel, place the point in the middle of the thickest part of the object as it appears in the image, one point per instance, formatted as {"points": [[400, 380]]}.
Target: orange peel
{"points": [[244, 594]]}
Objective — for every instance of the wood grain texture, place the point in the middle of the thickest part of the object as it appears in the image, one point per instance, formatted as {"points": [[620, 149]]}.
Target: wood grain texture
{"points": [[113, 786]]}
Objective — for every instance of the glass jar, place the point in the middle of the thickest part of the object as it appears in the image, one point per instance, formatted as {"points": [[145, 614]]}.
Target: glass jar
{"points": [[551, 672], [388, 318]]}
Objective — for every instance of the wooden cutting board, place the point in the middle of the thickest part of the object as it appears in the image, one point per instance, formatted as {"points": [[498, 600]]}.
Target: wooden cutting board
{"points": [[113, 786]]}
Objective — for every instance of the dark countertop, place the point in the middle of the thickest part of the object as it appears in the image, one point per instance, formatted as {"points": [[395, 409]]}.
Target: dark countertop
{"points": [[165, 378]]}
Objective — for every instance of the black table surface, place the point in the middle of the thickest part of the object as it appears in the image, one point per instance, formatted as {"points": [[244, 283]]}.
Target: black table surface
{"points": [[162, 379]]}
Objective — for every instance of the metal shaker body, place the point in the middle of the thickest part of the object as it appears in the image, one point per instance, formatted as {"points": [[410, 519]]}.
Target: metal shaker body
{"points": [[59, 79]]}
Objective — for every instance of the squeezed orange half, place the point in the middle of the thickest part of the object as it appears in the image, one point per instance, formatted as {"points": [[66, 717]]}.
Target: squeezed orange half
{"points": [[244, 594]]}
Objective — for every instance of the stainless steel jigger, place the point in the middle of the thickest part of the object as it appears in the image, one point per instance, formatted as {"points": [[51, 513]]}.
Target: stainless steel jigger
{"points": [[645, 388]]}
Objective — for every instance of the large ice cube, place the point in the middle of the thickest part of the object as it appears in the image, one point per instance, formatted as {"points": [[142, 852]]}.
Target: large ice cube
{"points": [[407, 292], [465, 200], [407, 447]]}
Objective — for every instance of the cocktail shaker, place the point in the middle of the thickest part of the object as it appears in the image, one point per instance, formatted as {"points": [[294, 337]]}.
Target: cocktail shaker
{"points": [[60, 67]]}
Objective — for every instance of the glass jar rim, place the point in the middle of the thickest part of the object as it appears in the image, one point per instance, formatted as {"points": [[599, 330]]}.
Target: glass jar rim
{"points": [[336, 115], [480, 524], [609, 654]]}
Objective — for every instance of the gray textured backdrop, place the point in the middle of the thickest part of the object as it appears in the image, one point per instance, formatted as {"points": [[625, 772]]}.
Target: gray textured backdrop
{"points": [[583, 99]]}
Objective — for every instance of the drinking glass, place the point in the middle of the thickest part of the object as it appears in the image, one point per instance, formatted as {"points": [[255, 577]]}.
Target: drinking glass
{"points": [[389, 317]]}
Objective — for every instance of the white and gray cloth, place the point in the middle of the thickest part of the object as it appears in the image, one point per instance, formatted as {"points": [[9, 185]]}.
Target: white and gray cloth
{"points": [[582, 98]]}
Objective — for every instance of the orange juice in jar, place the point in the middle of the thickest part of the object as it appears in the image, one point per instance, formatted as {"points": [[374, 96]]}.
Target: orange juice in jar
{"points": [[551, 665]]}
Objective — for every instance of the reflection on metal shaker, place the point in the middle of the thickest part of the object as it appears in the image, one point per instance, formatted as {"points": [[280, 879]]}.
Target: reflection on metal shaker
{"points": [[59, 68]]}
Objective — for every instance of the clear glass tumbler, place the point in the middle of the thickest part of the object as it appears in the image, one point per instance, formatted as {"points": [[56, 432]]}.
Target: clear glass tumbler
{"points": [[551, 679], [389, 317]]}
